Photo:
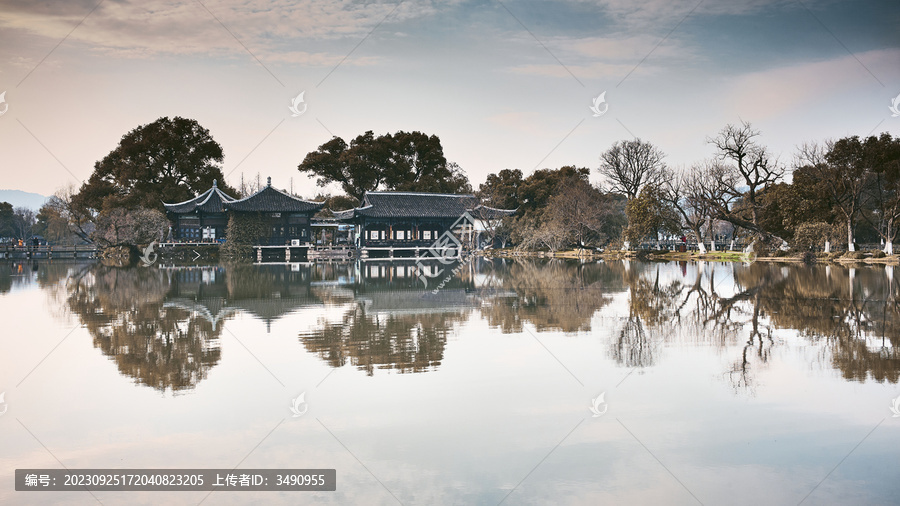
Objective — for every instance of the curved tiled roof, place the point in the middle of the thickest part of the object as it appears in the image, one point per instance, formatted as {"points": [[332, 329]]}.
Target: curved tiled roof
{"points": [[421, 205], [210, 201], [270, 200]]}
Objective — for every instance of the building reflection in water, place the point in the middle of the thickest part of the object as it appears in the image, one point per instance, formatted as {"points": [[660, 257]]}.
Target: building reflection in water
{"points": [[162, 325]]}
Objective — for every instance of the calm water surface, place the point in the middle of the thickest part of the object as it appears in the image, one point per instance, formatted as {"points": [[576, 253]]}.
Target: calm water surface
{"points": [[710, 383]]}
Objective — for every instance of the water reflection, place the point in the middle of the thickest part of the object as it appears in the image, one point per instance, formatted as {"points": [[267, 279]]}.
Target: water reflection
{"points": [[155, 340], [849, 313], [162, 325], [389, 318]]}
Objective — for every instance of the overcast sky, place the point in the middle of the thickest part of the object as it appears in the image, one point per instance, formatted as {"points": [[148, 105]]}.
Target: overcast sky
{"points": [[503, 84]]}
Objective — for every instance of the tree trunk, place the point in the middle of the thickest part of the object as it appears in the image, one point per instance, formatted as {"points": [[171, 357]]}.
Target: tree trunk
{"points": [[850, 246], [702, 247], [712, 243], [827, 246], [889, 238]]}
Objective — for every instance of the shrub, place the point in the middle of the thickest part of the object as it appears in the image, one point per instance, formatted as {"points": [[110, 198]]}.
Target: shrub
{"points": [[855, 255], [243, 232], [878, 254], [809, 258]]}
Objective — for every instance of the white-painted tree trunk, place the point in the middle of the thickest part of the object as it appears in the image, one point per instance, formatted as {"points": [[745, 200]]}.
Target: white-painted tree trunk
{"points": [[850, 246], [732, 245], [702, 247], [712, 244], [889, 248], [625, 246], [827, 246]]}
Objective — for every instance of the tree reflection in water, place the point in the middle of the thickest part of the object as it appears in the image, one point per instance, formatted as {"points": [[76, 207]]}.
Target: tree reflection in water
{"points": [[850, 313], [551, 295], [162, 327], [158, 344]]}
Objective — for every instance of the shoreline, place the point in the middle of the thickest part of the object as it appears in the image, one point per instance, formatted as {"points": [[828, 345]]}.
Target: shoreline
{"points": [[717, 256]]}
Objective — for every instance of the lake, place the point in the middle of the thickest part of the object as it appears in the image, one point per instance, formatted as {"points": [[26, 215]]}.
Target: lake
{"points": [[511, 382]]}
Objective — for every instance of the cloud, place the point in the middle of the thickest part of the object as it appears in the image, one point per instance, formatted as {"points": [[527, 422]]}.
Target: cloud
{"points": [[608, 57], [657, 14], [774, 92], [308, 31]]}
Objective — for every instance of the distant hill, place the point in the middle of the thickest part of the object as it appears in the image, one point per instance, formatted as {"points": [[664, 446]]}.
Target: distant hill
{"points": [[18, 198]]}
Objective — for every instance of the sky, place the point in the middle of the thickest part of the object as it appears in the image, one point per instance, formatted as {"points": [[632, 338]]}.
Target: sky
{"points": [[504, 84]]}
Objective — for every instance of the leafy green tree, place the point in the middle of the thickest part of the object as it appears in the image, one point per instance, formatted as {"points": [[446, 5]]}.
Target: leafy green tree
{"points": [[404, 161], [244, 230], [650, 214], [812, 235], [561, 208], [883, 194], [842, 170], [169, 160], [536, 190], [501, 190], [7, 220]]}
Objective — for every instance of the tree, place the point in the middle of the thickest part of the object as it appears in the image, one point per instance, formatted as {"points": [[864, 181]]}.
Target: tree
{"points": [[630, 165], [839, 168], [23, 222], [649, 214], [130, 227], [168, 160], [581, 212], [501, 190], [80, 217], [882, 155], [755, 169], [7, 220], [700, 194], [404, 161], [536, 190], [811, 235], [53, 222]]}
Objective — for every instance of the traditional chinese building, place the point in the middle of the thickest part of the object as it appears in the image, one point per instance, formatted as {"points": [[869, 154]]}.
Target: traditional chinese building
{"points": [[200, 219], [204, 218], [287, 217], [407, 224]]}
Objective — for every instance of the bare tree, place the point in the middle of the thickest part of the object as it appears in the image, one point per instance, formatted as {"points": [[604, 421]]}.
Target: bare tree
{"points": [[755, 169], [579, 209], [630, 165], [23, 222], [700, 194]]}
